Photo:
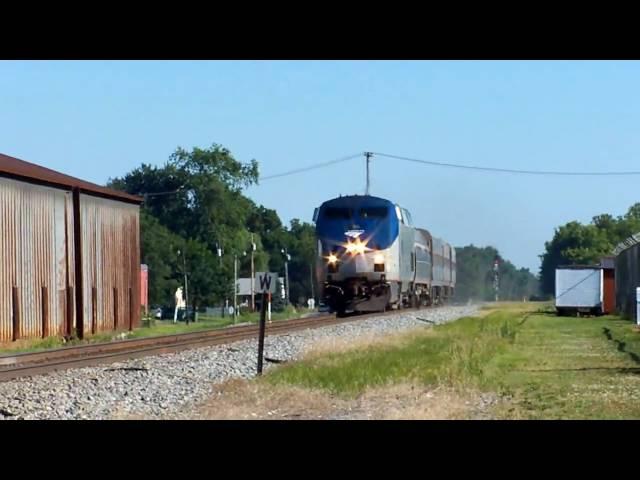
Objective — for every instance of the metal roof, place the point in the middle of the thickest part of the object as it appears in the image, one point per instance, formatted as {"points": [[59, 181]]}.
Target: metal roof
{"points": [[629, 242], [578, 267], [29, 172]]}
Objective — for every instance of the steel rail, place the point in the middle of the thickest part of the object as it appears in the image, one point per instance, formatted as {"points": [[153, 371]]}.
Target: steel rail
{"points": [[38, 363]]}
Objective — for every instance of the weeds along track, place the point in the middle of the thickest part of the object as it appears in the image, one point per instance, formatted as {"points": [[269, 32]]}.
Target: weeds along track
{"points": [[38, 363]]}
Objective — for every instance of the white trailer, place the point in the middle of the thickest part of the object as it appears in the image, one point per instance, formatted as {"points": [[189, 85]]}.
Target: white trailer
{"points": [[579, 290]]}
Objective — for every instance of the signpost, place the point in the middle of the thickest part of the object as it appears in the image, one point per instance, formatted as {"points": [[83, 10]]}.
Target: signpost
{"points": [[265, 283]]}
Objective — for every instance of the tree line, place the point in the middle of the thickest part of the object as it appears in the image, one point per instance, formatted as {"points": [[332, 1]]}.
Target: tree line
{"points": [[475, 276]]}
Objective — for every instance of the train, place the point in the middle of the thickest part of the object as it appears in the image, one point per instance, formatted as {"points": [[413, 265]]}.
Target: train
{"points": [[370, 257]]}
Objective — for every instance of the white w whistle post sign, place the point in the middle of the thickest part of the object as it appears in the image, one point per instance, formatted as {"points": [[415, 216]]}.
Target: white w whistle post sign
{"points": [[265, 283]]}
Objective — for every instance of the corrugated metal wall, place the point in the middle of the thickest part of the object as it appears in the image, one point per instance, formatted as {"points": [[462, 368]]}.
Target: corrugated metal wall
{"points": [[36, 258], [111, 282], [37, 262], [627, 278]]}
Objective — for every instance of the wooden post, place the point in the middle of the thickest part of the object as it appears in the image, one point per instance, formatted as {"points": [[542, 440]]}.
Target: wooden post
{"points": [[45, 312], [131, 313], [115, 308], [69, 319], [77, 252], [16, 314], [94, 310]]}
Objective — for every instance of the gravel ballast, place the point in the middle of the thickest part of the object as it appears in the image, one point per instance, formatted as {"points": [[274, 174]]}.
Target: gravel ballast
{"points": [[156, 386]]}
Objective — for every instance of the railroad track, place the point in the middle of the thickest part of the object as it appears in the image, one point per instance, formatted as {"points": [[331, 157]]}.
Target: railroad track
{"points": [[38, 363]]}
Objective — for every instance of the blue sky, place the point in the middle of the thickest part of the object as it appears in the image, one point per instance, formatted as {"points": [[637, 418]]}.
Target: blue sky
{"points": [[96, 120]]}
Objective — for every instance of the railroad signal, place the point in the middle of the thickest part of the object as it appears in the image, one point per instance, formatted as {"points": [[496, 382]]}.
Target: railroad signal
{"points": [[496, 280]]}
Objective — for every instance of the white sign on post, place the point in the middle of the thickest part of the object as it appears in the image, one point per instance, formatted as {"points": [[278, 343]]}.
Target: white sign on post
{"points": [[638, 305], [265, 282]]}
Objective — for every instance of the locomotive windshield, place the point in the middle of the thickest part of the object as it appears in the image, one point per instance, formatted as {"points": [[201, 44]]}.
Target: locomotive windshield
{"points": [[335, 213], [373, 212]]}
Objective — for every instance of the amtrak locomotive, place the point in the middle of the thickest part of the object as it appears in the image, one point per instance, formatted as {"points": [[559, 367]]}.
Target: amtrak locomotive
{"points": [[371, 257]]}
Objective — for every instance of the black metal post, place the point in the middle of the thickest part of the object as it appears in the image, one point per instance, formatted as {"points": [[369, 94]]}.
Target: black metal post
{"points": [[263, 314]]}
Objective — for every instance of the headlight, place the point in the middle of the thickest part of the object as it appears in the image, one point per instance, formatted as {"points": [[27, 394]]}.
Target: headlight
{"points": [[356, 247], [332, 258]]}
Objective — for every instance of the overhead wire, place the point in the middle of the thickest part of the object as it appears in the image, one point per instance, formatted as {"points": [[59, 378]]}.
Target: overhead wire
{"points": [[504, 170], [452, 165], [425, 162], [312, 167]]}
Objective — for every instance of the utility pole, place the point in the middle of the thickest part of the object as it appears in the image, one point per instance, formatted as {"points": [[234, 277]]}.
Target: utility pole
{"points": [[186, 287], [235, 287], [219, 251], [311, 279], [253, 275], [186, 290], [286, 276], [287, 257], [368, 156]]}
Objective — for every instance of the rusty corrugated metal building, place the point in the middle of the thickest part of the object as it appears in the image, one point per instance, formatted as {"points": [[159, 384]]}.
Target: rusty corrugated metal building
{"points": [[69, 254], [627, 265]]}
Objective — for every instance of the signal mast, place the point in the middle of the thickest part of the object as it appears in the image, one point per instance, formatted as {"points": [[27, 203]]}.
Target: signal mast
{"points": [[496, 281]]}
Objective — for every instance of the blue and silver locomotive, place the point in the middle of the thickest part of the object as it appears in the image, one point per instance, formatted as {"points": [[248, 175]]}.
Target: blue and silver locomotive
{"points": [[371, 257]]}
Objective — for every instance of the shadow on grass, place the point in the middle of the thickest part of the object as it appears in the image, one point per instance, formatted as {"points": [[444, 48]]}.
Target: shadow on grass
{"points": [[622, 346], [545, 312], [633, 370]]}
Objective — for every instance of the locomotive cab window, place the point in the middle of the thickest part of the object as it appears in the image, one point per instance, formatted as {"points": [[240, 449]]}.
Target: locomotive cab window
{"points": [[335, 213], [403, 216], [373, 212], [409, 220]]}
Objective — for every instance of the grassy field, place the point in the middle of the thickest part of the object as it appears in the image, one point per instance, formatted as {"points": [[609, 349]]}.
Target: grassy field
{"points": [[156, 328], [541, 366]]}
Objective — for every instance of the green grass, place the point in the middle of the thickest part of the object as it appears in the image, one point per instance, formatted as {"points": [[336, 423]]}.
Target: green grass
{"points": [[156, 328], [546, 366]]}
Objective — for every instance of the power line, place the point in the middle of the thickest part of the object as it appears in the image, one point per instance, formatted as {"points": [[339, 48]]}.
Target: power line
{"points": [[156, 194], [504, 170], [451, 165], [311, 167]]}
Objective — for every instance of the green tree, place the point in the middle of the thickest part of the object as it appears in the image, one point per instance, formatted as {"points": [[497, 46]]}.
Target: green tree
{"points": [[158, 251], [194, 203], [302, 248], [575, 243]]}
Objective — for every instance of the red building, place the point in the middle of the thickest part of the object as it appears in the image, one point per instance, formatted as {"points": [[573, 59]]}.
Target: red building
{"points": [[609, 285]]}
